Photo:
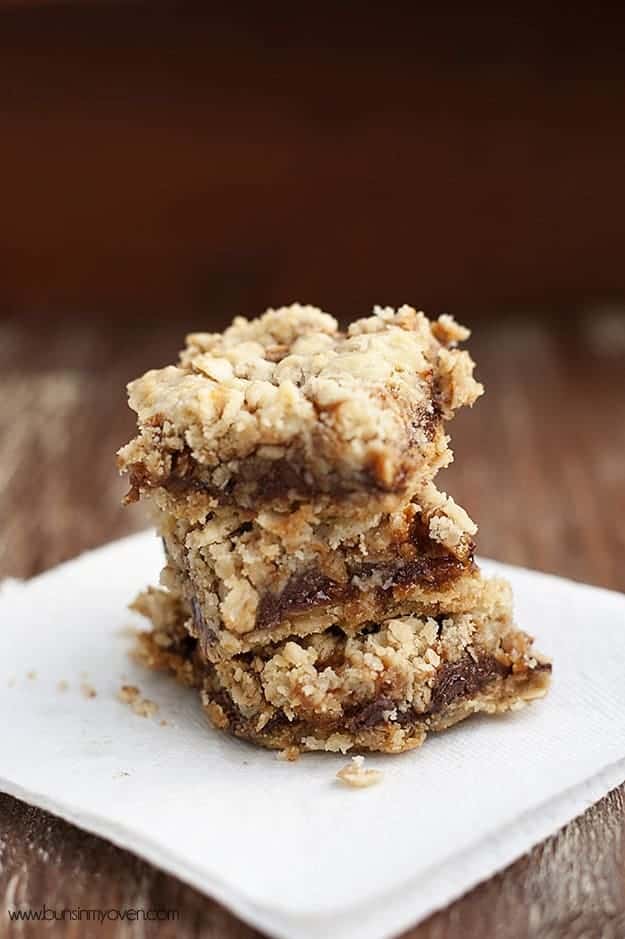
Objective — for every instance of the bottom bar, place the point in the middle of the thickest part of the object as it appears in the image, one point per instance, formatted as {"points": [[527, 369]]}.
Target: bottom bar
{"points": [[384, 689]]}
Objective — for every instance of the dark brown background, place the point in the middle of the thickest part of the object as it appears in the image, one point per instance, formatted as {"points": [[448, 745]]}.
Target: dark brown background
{"points": [[194, 160], [163, 167]]}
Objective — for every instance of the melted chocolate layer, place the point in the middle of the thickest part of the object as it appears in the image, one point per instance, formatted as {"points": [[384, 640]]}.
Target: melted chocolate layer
{"points": [[277, 478], [455, 682], [314, 589], [300, 594], [274, 479]]}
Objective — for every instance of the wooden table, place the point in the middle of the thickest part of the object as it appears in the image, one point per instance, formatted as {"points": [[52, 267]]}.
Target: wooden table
{"points": [[540, 464]]}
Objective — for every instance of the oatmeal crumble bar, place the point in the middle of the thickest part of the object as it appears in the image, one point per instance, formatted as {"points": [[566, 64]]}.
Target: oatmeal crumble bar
{"points": [[319, 590], [383, 689], [251, 578], [288, 406]]}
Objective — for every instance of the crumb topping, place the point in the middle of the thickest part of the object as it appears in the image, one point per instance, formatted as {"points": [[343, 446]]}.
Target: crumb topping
{"points": [[291, 389]]}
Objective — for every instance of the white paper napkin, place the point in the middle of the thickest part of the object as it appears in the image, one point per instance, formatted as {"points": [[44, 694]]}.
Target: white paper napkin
{"points": [[284, 844]]}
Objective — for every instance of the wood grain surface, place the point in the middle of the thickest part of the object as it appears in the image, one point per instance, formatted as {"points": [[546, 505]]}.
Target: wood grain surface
{"points": [[540, 463]]}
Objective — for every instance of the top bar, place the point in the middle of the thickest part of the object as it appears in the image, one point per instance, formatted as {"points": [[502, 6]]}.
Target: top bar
{"points": [[287, 407]]}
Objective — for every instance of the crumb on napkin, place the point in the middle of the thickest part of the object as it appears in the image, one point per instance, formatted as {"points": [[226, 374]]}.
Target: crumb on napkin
{"points": [[289, 754], [131, 695], [355, 775]]}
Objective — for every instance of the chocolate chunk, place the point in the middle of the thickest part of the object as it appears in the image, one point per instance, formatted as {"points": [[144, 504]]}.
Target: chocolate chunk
{"points": [[455, 680], [301, 593], [371, 715], [428, 571], [281, 479], [463, 679]]}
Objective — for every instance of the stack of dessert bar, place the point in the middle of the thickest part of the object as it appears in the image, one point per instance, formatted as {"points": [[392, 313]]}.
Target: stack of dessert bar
{"points": [[319, 590]]}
